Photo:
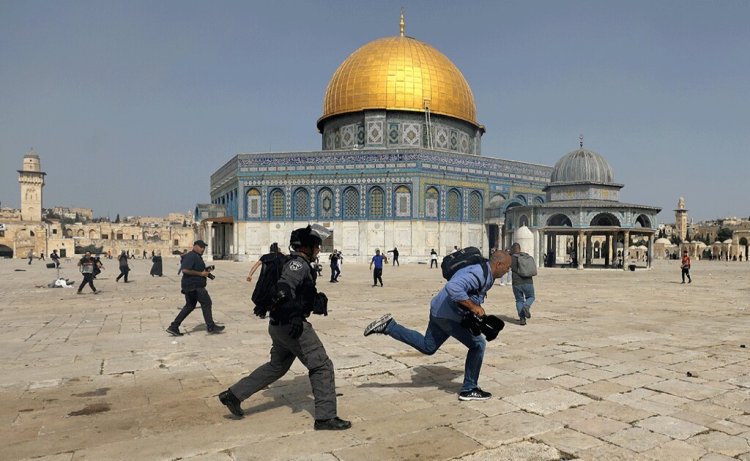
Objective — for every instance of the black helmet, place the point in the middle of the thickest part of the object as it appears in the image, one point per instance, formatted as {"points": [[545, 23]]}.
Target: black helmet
{"points": [[304, 237]]}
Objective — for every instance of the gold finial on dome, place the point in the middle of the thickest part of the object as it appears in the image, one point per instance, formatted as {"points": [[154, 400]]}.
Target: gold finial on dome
{"points": [[401, 23]]}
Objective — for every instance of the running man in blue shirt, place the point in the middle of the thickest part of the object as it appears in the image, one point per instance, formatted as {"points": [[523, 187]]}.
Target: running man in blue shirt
{"points": [[463, 294], [377, 274]]}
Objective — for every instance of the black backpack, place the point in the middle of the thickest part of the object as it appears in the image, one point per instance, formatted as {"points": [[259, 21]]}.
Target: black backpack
{"points": [[463, 258], [265, 287]]}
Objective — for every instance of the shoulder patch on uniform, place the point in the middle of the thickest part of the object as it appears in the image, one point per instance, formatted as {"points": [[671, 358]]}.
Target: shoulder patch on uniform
{"points": [[295, 265]]}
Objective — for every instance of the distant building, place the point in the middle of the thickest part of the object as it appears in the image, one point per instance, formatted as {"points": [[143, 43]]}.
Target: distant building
{"points": [[582, 222], [30, 231]]}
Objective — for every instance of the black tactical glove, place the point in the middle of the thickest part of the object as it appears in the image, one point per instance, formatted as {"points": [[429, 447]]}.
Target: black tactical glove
{"points": [[260, 312], [297, 325], [320, 304]]}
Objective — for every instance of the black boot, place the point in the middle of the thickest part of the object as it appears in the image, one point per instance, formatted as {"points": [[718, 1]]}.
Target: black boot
{"points": [[231, 402], [333, 424]]}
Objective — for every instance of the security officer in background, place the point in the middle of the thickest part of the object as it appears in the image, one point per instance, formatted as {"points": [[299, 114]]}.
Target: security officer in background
{"points": [[193, 285], [293, 337]]}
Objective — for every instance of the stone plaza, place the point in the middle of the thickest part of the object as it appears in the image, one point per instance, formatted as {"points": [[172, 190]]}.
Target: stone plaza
{"points": [[613, 365]]}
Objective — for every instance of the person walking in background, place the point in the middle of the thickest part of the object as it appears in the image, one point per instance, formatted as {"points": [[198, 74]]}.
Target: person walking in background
{"points": [[506, 279], [193, 286], [433, 258], [156, 266], [335, 270], [395, 256], [685, 266], [523, 286], [182, 256], [124, 268], [463, 295], [377, 274], [86, 266], [98, 266], [30, 256], [273, 253], [55, 258]]}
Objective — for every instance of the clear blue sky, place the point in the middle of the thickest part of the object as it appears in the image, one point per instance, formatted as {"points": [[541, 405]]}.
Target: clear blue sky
{"points": [[133, 104]]}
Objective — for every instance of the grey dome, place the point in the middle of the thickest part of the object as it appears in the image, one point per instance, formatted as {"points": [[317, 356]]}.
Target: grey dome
{"points": [[582, 165]]}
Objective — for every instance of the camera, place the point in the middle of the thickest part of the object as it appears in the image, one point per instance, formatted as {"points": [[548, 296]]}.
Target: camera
{"points": [[209, 269]]}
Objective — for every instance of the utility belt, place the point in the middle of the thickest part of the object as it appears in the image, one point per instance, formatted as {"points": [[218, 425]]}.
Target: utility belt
{"points": [[275, 323]]}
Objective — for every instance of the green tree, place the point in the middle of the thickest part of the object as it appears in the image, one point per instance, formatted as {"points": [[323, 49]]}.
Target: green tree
{"points": [[723, 234]]}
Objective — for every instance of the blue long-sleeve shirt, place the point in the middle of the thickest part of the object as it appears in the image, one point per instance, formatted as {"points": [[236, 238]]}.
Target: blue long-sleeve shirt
{"points": [[467, 283]]}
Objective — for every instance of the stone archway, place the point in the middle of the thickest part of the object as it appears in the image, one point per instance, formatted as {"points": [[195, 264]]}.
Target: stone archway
{"points": [[559, 219], [743, 242], [6, 251], [605, 219]]}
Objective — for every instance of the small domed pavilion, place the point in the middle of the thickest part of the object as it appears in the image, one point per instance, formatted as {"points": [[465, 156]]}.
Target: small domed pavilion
{"points": [[582, 222]]}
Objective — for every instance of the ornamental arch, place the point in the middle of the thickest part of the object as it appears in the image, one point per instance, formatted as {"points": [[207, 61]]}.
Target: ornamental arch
{"points": [[643, 221], [559, 219], [605, 219]]}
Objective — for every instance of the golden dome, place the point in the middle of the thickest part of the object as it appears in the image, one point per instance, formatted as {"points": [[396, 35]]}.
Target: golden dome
{"points": [[399, 73]]}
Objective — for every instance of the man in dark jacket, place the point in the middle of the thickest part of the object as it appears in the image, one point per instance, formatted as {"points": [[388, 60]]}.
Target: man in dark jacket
{"points": [[293, 337]]}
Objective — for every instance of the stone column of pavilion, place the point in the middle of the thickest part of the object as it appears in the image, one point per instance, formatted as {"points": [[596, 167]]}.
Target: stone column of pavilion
{"points": [[580, 255], [650, 250], [625, 246]]}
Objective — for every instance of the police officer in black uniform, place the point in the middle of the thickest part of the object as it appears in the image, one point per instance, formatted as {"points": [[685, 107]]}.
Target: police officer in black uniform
{"points": [[294, 337], [194, 276]]}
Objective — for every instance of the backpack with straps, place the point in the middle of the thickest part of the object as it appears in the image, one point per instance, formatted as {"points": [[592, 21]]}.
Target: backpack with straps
{"points": [[463, 258], [265, 287], [526, 265]]}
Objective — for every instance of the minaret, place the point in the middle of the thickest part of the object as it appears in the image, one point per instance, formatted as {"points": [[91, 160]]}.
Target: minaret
{"points": [[681, 219], [31, 178]]}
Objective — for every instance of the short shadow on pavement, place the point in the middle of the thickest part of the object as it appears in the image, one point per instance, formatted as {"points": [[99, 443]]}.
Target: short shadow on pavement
{"points": [[507, 319], [295, 394], [440, 376]]}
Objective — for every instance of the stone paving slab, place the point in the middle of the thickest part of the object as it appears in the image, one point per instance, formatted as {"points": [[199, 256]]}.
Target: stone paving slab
{"points": [[599, 372]]}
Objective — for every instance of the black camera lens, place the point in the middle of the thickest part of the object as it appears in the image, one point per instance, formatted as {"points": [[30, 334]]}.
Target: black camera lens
{"points": [[211, 276]]}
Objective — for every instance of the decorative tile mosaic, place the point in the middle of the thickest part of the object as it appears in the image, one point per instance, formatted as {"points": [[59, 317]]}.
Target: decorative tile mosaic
{"points": [[393, 133], [411, 134], [360, 135], [375, 130], [441, 140]]}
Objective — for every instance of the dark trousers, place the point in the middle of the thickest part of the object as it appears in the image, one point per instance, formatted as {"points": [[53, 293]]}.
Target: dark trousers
{"points": [[193, 297], [335, 272], [87, 278], [123, 273], [686, 273], [377, 275], [433, 263], [395, 261], [310, 351]]}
